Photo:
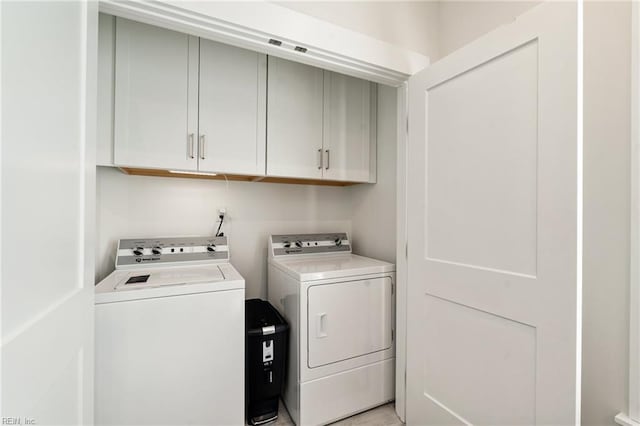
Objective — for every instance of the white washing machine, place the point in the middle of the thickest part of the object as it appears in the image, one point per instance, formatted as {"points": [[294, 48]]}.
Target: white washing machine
{"points": [[170, 335], [340, 308]]}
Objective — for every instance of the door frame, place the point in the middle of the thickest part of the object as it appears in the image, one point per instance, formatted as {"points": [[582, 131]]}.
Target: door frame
{"points": [[402, 249], [632, 417]]}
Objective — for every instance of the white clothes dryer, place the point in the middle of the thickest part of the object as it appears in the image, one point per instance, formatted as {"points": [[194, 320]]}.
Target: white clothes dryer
{"points": [[340, 307]]}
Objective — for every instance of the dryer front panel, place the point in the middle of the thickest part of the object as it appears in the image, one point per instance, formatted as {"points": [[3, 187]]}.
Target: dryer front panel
{"points": [[348, 319]]}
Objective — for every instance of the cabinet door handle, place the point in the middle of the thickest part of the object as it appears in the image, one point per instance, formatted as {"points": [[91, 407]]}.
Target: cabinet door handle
{"points": [[202, 148], [320, 159], [191, 146], [327, 165]]}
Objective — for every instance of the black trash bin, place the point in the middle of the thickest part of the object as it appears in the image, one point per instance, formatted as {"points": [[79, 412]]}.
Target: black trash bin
{"points": [[265, 360]]}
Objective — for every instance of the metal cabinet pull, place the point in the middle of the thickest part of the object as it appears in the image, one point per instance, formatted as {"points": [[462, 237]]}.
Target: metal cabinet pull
{"points": [[320, 159], [327, 166], [202, 147], [191, 146]]}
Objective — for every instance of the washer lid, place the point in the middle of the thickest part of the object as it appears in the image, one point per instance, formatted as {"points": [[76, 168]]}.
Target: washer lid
{"points": [[147, 283], [134, 280], [321, 267]]}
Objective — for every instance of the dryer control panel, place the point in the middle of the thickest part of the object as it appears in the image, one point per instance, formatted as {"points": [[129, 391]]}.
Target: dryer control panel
{"points": [[139, 252], [296, 244]]}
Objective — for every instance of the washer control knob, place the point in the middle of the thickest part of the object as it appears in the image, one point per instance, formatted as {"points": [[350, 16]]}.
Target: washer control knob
{"points": [[156, 250], [211, 247], [298, 243], [338, 241], [286, 244], [138, 251]]}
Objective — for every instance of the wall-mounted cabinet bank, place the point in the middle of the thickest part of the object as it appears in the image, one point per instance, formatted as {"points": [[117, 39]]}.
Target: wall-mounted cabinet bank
{"points": [[183, 103], [321, 124], [174, 102]]}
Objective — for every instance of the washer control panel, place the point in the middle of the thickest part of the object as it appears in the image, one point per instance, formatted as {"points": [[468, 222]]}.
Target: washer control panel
{"points": [[134, 252], [295, 244]]}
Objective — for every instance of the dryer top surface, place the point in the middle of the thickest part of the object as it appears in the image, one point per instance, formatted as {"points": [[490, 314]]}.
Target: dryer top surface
{"points": [[321, 267]]}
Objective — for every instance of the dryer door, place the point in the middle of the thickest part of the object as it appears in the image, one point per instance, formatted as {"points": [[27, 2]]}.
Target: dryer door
{"points": [[348, 319]]}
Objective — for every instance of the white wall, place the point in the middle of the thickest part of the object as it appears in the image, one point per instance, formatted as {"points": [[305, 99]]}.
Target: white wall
{"points": [[606, 210], [461, 22], [141, 206], [410, 24]]}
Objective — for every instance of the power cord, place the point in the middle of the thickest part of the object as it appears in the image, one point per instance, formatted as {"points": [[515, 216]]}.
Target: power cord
{"points": [[218, 233]]}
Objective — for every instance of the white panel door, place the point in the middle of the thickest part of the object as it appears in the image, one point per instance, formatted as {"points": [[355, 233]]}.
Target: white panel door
{"points": [[294, 119], [156, 97], [348, 319], [347, 127], [232, 110], [49, 68], [493, 216]]}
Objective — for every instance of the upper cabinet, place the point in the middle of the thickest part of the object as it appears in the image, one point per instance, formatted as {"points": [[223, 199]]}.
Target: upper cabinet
{"points": [[182, 103], [294, 120], [232, 113], [321, 124], [156, 97], [349, 141], [106, 61], [173, 102]]}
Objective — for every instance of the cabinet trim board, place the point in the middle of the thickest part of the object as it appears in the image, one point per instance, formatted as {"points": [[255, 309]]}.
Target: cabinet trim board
{"points": [[327, 45], [243, 178]]}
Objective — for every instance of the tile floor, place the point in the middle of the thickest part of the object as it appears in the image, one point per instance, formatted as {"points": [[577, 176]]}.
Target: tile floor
{"points": [[384, 415]]}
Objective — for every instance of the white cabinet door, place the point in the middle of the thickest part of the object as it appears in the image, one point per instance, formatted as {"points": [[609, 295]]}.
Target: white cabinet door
{"points": [[156, 97], [494, 210], [49, 68], [232, 110], [106, 62], [294, 120], [348, 319], [347, 127]]}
